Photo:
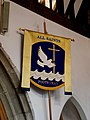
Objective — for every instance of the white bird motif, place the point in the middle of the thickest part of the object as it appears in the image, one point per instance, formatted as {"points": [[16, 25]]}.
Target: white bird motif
{"points": [[44, 59]]}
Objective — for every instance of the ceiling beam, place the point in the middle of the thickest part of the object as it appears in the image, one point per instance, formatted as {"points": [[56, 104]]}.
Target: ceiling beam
{"points": [[70, 13], [60, 7], [82, 15], [51, 15]]}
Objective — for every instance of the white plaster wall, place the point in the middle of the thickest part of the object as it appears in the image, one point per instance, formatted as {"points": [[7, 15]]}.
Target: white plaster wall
{"points": [[80, 56]]}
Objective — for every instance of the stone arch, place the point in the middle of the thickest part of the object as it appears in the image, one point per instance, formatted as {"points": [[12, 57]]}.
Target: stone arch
{"points": [[72, 111], [16, 104]]}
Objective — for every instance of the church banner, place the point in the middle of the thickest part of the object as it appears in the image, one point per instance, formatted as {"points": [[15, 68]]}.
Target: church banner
{"points": [[46, 61]]}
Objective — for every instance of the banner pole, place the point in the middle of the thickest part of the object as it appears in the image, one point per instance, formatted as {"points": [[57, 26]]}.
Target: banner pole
{"points": [[49, 97], [49, 101]]}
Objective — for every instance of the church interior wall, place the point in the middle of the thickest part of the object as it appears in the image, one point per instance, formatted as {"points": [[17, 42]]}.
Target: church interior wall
{"points": [[20, 17]]}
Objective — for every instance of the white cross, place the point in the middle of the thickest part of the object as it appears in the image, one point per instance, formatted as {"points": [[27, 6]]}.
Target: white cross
{"points": [[53, 49]]}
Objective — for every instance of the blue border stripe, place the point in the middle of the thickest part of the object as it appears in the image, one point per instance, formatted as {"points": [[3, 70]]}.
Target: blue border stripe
{"points": [[25, 89], [68, 93]]}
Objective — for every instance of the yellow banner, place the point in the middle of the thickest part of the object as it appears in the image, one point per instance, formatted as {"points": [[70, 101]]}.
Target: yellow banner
{"points": [[26, 66], [46, 61]]}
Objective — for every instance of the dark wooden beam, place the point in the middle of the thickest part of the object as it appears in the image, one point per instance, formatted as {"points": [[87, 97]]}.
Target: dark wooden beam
{"points": [[50, 4], [35, 1], [82, 16], [70, 14], [60, 7], [89, 16], [51, 15]]}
